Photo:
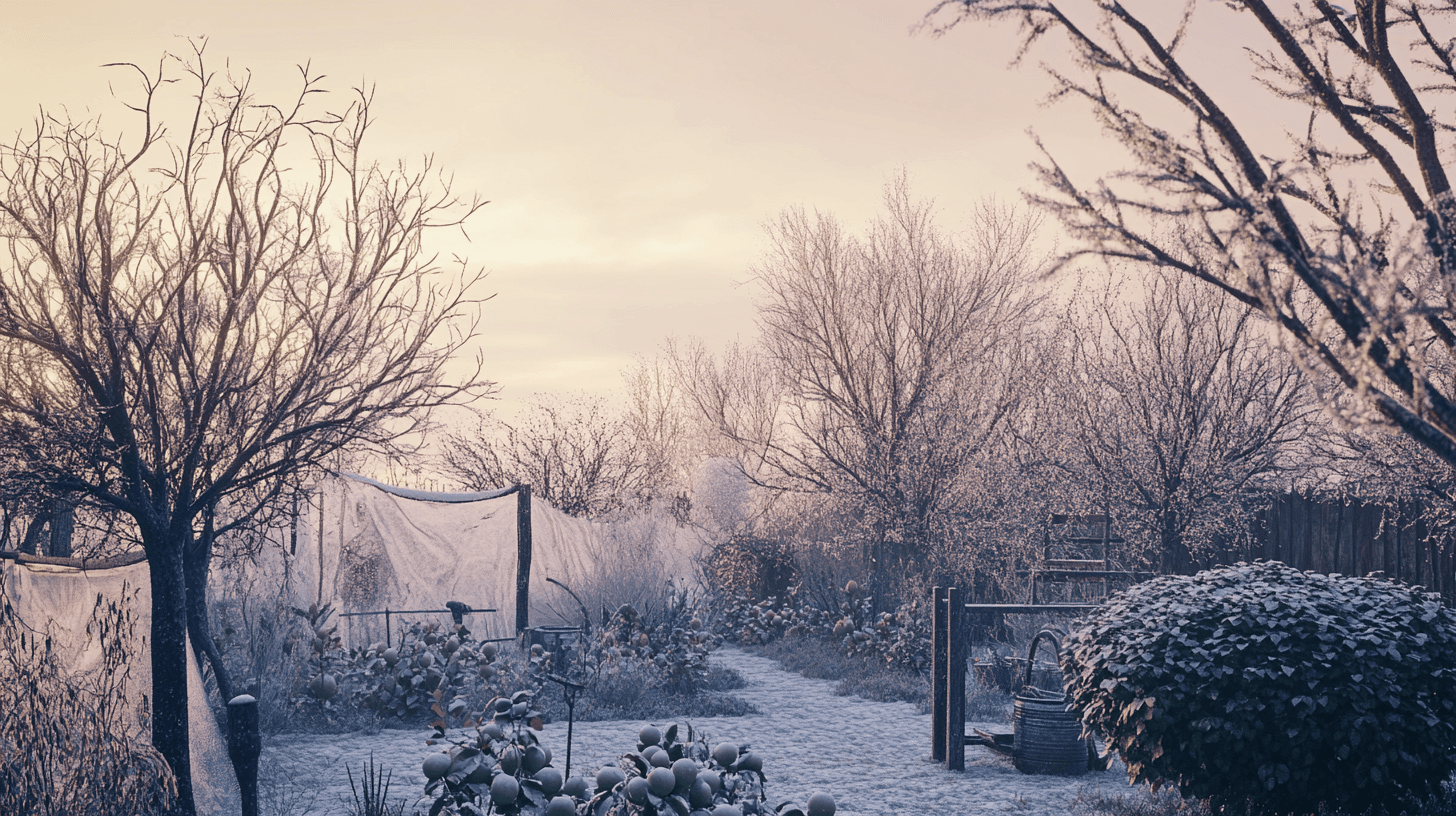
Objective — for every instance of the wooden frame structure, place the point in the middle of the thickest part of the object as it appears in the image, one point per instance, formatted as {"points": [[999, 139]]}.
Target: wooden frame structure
{"points": [[950, 651]]}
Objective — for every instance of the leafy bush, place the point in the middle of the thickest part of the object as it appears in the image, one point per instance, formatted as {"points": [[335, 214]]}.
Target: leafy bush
{"points": [[900, 639], [503, 768], [1259, 685], [633, 669], [665, 777], [677, 648], [69, 742]]}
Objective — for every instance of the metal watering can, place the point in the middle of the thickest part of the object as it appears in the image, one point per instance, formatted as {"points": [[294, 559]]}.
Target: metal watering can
{"points": [[1047, 735]]}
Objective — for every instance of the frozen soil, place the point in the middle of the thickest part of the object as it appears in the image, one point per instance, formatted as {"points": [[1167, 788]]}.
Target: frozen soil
{"points": [[874, 758]]}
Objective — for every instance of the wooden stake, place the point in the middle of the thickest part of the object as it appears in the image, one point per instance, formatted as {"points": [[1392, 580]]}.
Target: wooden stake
{"points": [[523, 558], [938, 658], [955, 633]]}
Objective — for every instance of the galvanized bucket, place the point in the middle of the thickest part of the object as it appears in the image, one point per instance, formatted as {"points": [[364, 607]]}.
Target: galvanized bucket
{"points": [[1048, 736]]}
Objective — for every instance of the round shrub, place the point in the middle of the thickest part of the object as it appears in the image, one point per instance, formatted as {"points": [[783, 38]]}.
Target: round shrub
{"points": [[1259, 685]]}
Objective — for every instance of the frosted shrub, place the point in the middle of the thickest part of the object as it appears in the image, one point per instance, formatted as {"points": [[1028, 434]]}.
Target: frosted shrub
{"points": [[665, 777], [501, 768], [675, 652], [899, 639], [436, 674], [1264, 686]]}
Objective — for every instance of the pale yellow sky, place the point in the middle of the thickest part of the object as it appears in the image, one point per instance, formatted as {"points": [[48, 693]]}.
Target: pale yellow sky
{"points": [[631, 150]]}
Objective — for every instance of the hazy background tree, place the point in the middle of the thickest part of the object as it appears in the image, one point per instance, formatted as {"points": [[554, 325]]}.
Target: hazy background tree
{"points": [[884, 363], [1183, 413], [1383, 466], [214, 310], [577, 452], [665, 433], [1340, 229]]}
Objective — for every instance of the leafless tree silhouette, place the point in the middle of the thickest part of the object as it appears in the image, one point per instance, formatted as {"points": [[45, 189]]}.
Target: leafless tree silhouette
{"points": [[211, 312], [1342, 235], [883, 366]]}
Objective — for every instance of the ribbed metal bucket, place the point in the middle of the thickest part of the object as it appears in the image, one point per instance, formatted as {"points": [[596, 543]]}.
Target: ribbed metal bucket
{"points": [[1048, 737]]}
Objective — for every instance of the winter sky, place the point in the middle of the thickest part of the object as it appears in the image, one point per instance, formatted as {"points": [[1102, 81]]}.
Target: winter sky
{"points": [[631, 150]]}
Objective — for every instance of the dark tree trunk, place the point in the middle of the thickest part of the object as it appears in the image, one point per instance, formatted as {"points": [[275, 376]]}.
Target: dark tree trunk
{"points": [[169, 663], [63, 526], [31, 543], [1175, 557]]}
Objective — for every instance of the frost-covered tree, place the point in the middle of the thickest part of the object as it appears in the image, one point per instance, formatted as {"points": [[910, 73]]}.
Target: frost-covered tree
{"points": [[1383, 466], [210, 312], [576, 451], [885, 362], [1343, 231], [1182, 409], [664, 432]]}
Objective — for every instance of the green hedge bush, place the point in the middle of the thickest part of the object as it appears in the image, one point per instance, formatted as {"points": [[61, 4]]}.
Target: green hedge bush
{"points": [[1264, 687]]}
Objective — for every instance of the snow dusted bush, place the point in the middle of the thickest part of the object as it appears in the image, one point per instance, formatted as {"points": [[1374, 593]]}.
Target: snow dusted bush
{"points": [[1265, 686], [665, 777], [899, 639]]}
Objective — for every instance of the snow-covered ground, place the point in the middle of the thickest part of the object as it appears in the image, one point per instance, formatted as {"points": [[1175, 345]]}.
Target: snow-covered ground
{"points": [[874, 758]]}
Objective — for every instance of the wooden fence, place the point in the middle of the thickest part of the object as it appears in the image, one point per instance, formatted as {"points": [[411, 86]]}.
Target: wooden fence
{"points": [[1350, 538]]}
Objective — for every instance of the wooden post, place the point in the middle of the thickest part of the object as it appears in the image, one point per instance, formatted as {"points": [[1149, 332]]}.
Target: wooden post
{"points": [[955, 710], [244, 746], [523, 558], [938, 658], [321, 544]]}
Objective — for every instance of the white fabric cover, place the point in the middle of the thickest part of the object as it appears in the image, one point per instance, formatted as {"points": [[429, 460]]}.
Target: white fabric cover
{"points": [[383, 549], [60, 600]]}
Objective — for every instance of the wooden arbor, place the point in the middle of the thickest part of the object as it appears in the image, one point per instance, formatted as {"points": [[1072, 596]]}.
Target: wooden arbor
{"points": [[949, 642], [1074, 555]]}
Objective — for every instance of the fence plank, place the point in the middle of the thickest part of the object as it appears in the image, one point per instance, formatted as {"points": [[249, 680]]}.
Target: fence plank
{"points": [[1352, 537]]}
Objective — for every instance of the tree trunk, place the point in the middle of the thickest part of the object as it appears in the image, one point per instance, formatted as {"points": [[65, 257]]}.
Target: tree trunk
{"points": [[63, 526], [169, 664], [30, 544], [1175, 557]]}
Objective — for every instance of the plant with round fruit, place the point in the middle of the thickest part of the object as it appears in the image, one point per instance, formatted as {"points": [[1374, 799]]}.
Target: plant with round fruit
{"points": [[501, 768], [666, 777]]}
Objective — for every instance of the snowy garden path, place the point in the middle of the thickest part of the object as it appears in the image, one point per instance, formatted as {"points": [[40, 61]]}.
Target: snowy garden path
{"points": [[873, 757]]}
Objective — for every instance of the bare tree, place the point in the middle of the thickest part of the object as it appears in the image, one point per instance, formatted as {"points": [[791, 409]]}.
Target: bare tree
{"points": [[576, 452], [663, 430], [1182, 412], [1343, 236], [217, 311], [884, 364]]}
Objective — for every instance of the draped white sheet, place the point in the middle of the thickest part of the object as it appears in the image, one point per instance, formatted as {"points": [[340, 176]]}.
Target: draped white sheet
{"points": [[60, 600]]}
